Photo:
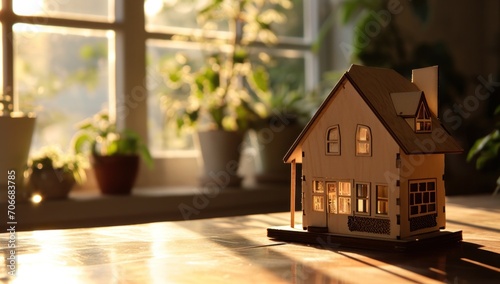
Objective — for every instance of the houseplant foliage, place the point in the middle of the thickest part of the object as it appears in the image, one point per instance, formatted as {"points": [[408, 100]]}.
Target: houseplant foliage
{"points": [[52, 173], [219, 93], [114, 153], [218, 97], [486, 150], [391, 48]]}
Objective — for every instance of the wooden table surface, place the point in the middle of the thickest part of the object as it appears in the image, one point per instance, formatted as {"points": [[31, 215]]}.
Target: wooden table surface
{"points": [[237, 250]]}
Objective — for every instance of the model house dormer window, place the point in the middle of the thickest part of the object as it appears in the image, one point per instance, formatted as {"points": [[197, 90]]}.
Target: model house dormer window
{"points": [[413, 108], [363, 141], [333, 140], [423, 119]]}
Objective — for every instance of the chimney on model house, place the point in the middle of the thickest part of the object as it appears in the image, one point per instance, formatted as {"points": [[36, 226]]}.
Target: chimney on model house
{"points": [[426, 79]]}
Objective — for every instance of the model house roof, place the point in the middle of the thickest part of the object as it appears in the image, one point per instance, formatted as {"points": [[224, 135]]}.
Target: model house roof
{"points": [[391, 97]]}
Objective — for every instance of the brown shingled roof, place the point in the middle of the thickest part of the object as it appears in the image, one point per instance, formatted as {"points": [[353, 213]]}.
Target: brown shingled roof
{"points": [[375, 86]]}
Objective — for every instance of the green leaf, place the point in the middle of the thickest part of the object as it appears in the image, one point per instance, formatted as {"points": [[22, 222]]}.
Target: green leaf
{"points": [[323, 32], [348, 8], [260, 79], [478, 147], [497, 111], [81, 140], [487, 156], [146, 155]]}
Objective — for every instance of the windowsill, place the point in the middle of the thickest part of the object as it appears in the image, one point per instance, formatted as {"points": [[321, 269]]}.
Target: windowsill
{"points": [[90, 208]]}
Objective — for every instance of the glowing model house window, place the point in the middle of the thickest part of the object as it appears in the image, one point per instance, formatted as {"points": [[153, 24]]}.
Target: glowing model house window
{"points": [[362, 198], [423, 121], [382, 199], [318, 198], [363, 141], [344, 197], [333, 140]]}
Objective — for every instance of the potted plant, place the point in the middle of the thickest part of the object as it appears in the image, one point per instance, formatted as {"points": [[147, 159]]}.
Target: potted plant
{"points": [[281, 116], [114, 154], [53, 173], [216, 97], [17, 130]]}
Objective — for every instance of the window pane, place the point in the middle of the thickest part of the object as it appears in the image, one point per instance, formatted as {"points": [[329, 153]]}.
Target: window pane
{"points": [[344, 205], [318, 187], [362, 206], [96, 9], [362, 190], [382, 207], [162, 14], [345, 188], [363, 134], [318, 203], [62, 74], [294, 25], [161, 60], [382, 191], [333, 134], [172, 13]]}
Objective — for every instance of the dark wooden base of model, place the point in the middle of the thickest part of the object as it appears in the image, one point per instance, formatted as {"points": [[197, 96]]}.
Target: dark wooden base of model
{"points": [[328, 240]]}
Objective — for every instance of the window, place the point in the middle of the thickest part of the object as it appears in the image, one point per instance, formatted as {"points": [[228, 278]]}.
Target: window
{"points": [[318, 187], [318, 203], [318, 196], [363, 141], [423, 121], [344, 197], [333, 140], [68, 59], [422, 197], [288, 62], [382, 199], [64, 80], [60, 62], [363, 198]]}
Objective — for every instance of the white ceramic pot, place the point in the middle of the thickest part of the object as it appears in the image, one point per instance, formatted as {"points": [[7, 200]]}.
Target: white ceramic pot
{"points": [[220, 157], [15, 141]]}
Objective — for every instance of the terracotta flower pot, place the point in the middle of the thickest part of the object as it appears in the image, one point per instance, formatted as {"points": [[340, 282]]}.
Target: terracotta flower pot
{"points": [[51, 183], [115, 174]]}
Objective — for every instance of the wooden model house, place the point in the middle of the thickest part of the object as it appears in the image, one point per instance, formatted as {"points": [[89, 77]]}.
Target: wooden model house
{"points": [[373, 157]]}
